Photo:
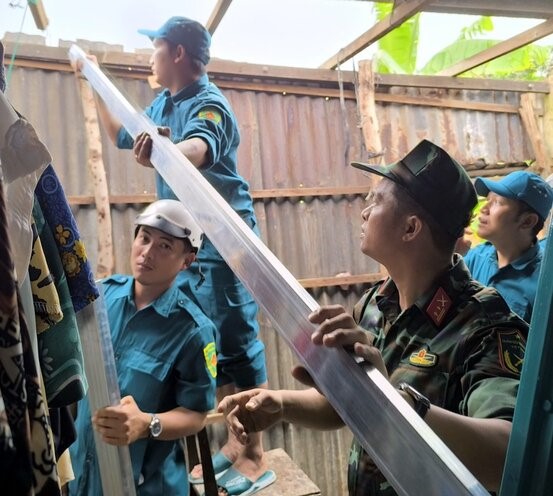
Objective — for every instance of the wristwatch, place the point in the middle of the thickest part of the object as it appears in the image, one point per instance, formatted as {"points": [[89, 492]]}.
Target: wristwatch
{"points": [[155, 426], [422, 403]]}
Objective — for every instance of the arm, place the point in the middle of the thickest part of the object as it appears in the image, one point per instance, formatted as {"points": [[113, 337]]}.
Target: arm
{"points": [[194, 149], [111, 124], [125, 423], [258, 409], [481, 444]]}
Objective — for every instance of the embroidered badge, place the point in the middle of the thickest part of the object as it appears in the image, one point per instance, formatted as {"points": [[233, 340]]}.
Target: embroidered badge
{"points": [[210, 115], [511, 350], [423, 358], [210, 356], [439, 306]]}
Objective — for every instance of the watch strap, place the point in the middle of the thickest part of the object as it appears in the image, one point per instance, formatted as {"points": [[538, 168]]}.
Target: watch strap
{"points": [[421, 402]]}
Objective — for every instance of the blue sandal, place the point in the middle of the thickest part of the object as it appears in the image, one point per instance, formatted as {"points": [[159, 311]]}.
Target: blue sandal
{"points": [[237, 484], [220, 465]]}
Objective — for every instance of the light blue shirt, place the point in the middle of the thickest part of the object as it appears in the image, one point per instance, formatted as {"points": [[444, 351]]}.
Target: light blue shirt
{"points": [[162, 353], [517, 282]]}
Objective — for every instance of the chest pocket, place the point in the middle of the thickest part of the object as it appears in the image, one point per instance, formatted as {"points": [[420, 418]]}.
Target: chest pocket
{"points": [[145, 377], [522, 308]]}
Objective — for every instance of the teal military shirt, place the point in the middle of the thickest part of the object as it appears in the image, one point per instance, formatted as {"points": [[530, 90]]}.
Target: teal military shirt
{"points": [[200, 110], [165, 358], [459, 345], [517, 282]]}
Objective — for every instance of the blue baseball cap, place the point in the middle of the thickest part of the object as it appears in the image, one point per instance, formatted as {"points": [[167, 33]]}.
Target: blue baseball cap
{"points": [[524, 186], [437, 182], [186, 32]]}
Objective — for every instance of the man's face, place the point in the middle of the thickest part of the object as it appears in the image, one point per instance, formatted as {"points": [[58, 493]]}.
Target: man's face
{"points": [[162, 62], [380, 228], [499, 218], [157, 257]]}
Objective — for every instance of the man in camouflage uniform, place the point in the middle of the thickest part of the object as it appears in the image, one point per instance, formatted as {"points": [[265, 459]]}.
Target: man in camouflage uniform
{"points": [[430, 328]]}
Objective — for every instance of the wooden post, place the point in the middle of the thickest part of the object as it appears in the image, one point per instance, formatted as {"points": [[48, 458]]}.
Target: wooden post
{"points": [[367, 110], [369, 124], [97, 172], [527, 114], [548, 126]]}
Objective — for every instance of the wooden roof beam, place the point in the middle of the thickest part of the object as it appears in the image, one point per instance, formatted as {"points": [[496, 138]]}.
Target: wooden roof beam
{"points": [[536, 9], [217, 15], [507, 46], [39, 14], [397, 17]]}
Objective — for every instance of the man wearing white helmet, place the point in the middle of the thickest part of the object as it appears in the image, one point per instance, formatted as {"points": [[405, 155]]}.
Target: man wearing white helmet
{"points": [[165, 356]]}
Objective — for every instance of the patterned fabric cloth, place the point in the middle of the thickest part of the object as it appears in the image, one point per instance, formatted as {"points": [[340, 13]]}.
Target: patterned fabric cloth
{"points": [[60, 352], [60, 220], [459, 345], [45, 296], [26, 446]]}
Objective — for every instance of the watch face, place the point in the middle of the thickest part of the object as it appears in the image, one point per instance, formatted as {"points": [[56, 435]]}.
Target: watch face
{"points": [[155, 427]]}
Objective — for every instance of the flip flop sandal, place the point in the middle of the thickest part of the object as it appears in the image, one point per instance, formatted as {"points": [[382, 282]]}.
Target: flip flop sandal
{"points": [[220, 465], [237, 484]]}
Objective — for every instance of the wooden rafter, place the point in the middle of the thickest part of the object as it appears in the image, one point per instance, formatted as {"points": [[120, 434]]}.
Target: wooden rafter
{"points": [[507, 46], [537, 9], [217, 15], [39, 14], [397, 17]]}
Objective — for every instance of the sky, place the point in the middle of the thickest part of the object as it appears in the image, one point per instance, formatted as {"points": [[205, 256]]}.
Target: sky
{"points": [[295, 33]]}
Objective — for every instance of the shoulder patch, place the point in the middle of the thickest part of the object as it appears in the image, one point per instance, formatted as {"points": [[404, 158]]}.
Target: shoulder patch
{"points": [[511, 346], [210, 356], [210, 115], [438, 307]]}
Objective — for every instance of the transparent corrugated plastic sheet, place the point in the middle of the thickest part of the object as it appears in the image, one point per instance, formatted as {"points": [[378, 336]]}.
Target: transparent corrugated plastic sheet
{"points": [[103, 389], [406, 450]]}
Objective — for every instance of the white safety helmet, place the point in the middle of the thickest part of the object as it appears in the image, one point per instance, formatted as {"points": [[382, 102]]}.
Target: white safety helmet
{"points": [[171, 217]]}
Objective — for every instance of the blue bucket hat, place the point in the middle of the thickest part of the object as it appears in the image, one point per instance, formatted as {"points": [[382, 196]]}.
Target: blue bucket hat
{"points": [[437, 182], [524, 186], [186, 32]]}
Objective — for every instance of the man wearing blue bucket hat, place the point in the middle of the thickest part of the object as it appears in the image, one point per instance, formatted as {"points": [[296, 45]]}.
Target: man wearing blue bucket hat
{"points": [[510, 259]]}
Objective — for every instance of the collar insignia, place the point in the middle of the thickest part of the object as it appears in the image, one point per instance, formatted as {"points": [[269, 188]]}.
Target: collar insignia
{"points": [[438, 307]]}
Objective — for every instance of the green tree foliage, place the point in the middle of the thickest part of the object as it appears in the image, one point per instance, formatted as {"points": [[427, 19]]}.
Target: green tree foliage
{"points": [[397, 52]]}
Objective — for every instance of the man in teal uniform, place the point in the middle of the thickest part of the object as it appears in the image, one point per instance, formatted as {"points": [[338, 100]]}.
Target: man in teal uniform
{"points": [[510, 259], [165, 357], [204, 128], [450, 345]]}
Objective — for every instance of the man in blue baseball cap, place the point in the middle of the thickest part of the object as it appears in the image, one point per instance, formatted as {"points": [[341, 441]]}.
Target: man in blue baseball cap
{"points": [[203, 126], [510, 259]]}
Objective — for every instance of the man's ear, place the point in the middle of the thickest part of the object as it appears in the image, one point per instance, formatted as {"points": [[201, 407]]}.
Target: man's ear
{"points": [[188, 260], [528, 220], [412, 227], [179, 54]]}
